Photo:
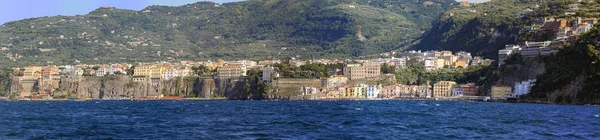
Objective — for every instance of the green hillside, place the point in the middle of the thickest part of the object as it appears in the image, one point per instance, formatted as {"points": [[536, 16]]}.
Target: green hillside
{"points": [[255, 29], [485, 28]]}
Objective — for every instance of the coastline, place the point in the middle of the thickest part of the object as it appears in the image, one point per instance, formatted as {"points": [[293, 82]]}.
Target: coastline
{"points": [[338, 99]]}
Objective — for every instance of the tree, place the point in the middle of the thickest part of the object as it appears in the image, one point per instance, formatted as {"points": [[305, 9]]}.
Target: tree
{"points": [[130, 71], [202, 70], [119, 73]]}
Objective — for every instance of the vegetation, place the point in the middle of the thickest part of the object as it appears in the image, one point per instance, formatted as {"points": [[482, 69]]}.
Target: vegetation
{"points": [[485, 28], [203, 70], [5, 82], [416, 74], [308, 70], [581, 60], [252, 29]]}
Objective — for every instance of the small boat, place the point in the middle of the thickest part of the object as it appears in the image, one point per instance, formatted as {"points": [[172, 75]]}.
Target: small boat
{"points": [[26, 99]]}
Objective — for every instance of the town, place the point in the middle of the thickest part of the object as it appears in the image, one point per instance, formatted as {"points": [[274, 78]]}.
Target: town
{"points": [[344, 80], [306, 79]]}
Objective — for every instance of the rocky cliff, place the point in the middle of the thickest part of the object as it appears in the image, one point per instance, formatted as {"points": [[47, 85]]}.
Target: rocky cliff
{"points": [[116, 86]]}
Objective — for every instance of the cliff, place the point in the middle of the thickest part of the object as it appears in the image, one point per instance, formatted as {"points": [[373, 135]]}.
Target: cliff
{"points": [[116, 86]]}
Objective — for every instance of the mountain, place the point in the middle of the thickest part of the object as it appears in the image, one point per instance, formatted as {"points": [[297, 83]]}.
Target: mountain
{"points": [[254, 29], [485, 28]]}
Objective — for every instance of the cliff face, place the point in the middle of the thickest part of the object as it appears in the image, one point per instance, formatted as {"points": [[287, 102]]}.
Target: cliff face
{"points": [[116, 86], [521, 69]]}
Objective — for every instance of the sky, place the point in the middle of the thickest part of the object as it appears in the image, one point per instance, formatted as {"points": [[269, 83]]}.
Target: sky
{"points": [[11, 10]]}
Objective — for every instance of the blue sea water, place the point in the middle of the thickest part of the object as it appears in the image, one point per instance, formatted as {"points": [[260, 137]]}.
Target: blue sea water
{"points": [[296, 120]]}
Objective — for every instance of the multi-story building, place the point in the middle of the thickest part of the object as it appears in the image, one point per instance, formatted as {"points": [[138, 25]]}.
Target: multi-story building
{"points": [[50, 72], [523, 87], [364, 70], [424, 91], [372, 92], [461, 63], [32, 72], [147, 72], [500, 92], [470, 89], [440, 63], [361, 91], [269, 73], [399, 62], [458, 92], [430, 64], [231, 71], [102, 71], [176, 72], [443, 88], [506, 52]]}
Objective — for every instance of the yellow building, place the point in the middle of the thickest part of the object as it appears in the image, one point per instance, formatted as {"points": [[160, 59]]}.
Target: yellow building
{"points": [[500, 91], [439, 63], [231, 71], [30, 72], [361, 91], [50, 72], [461, 63], [146, 72], [443, 89], [349, 91]]}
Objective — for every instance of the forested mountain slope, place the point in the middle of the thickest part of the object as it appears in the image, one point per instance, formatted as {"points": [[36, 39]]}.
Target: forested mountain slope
{"points": [[255, 29]]}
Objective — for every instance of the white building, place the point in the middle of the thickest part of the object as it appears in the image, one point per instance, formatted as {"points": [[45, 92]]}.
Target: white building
{"points": [[523, 87], [458, 92], [399, 62], [372, 92], [430, 63], [269, 73]]}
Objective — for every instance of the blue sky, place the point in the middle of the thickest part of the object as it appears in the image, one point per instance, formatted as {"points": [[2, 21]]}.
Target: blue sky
{"points": [[11, 10]]}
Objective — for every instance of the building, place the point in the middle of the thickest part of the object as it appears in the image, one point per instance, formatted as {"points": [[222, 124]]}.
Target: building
{"points": [[465, 3], [470, 89], [461, 63], [32, 72], [372, 92], [102, 71], [176, 72], [147, 72], [430, 64], [364, 70], [360, 91], [399, 62], [500, 92], [440, 63], [458, 92], [523, 87], [335, 81], [231, 71], [50, 72], [443, 88], [424, 91], [268, 74], [506, 53]]}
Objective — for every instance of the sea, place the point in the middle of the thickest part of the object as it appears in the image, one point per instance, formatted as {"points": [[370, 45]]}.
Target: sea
{"points": [[295, 120]]}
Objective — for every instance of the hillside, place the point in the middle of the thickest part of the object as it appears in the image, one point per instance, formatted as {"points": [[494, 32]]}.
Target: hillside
{"points": [[572, 76], [485, 28], [255, 29]]}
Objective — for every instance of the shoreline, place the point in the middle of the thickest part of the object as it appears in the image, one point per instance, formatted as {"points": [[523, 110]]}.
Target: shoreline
{"points": [[339, 99]]}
